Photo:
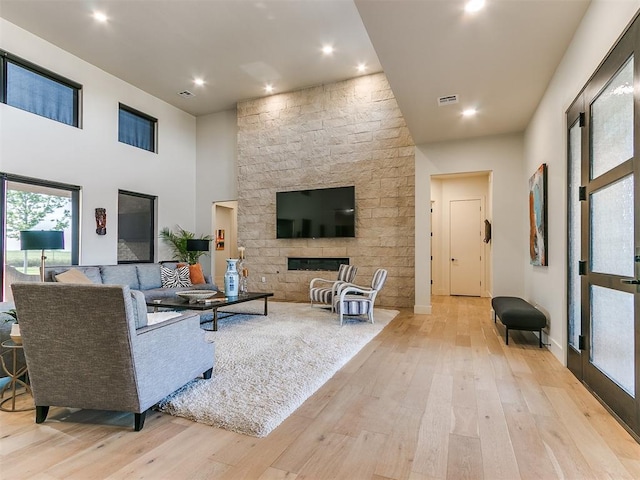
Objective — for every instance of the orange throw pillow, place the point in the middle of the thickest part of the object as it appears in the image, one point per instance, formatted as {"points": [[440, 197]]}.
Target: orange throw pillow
{"points": [[196, 274]]}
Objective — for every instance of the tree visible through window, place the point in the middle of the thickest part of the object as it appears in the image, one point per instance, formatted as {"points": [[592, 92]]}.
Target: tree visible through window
{"points": [[33, 204], [29, 210]]}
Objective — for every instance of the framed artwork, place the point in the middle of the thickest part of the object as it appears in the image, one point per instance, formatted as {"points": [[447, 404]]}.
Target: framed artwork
{"points": [[538, 217], [220, 239]]}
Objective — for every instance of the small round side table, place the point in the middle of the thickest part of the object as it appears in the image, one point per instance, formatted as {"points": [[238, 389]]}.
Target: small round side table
{"points": [[11, 348]]}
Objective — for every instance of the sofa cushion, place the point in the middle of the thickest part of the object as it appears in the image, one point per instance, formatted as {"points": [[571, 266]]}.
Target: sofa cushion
{"points": [[149, 276], [92, 273], [175, 278], [120, 275], [73, 275]]}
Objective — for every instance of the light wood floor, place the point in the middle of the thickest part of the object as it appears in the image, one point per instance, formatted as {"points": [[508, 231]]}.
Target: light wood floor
{"points": [[432, 397]]}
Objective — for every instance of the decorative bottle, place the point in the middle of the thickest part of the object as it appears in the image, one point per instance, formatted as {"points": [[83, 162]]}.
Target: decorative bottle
{"points": [[231, 278], [243, 271]]}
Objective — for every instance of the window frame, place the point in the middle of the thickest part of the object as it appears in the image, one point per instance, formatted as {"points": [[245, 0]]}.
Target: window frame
{"points": [[6, 58], [152, 120], [75, 215], [152, 227]]}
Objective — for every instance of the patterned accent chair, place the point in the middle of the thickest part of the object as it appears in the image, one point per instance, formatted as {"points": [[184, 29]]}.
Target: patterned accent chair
{"points": [[93, 347], [355, 300], [322, 291]]}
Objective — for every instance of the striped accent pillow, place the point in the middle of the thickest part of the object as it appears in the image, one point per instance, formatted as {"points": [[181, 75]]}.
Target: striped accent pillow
{"points": [[175, 278]]}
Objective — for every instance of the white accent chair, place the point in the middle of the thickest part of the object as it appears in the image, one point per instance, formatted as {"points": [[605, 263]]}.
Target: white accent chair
{"points": [[352, 299], [322, 291]]}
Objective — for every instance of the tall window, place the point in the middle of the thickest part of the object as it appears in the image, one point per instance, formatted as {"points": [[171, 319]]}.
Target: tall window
{"points": [[36, 90], [136, 128], [32, 204], [136, 227]]}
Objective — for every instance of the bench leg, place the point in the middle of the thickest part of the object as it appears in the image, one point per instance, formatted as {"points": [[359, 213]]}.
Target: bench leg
{"points": [[540, 333], [506, 335]]}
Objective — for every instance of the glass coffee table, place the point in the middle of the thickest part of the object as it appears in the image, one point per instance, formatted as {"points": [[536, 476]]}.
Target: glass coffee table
{"points": [[213, 303]]}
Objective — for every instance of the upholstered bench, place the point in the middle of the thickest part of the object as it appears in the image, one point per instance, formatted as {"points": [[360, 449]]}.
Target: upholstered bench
{"points": [[517, 314]]}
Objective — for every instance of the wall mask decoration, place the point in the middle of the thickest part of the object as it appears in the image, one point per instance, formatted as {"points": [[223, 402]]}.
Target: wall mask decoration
{"points": [[101, 221]]}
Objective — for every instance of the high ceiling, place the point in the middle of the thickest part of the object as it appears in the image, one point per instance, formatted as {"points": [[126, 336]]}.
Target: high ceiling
{"points": [[499, 60]]}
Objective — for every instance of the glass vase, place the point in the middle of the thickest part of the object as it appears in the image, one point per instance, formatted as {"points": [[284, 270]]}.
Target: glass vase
{"points": [[243, 271]]}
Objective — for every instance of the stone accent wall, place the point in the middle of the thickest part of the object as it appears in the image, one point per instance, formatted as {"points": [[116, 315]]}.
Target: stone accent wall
{"points": [[346, 133]]}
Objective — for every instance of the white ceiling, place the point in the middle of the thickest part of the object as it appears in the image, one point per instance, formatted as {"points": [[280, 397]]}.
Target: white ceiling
{"points": [[499, 60]]}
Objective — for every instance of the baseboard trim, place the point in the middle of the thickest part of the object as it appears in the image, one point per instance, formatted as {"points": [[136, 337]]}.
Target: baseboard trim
{"points": [[422, 309]]}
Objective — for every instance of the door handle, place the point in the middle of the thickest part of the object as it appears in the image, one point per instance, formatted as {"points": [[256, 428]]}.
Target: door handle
{"points": [[633, 281]]}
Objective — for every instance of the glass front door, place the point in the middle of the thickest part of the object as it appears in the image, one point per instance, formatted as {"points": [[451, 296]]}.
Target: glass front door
{"points": [[604, 221]]}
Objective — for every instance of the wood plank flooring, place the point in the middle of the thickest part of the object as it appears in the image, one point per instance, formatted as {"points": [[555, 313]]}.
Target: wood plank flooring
{"points": [[432, 397]]}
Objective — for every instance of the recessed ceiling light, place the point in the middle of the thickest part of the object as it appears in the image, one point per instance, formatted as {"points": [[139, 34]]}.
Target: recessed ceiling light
{"points": [[362, 68], [327, 49], [469, 112], [100, 17], [198, 81], [268, 88], [473, 6]]}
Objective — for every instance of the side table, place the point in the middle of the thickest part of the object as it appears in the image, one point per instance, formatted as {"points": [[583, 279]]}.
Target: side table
{"points": [[11, 348]]}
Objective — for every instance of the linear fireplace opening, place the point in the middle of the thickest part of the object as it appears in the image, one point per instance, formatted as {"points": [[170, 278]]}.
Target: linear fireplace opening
{"points": [[331, 264]]}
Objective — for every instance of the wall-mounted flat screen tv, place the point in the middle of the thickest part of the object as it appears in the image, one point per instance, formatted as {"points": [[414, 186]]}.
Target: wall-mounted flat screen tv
{"points": [[319, 213]]}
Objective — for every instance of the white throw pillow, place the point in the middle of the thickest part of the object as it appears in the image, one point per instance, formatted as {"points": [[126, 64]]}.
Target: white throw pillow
{"points": [[175, 278]]}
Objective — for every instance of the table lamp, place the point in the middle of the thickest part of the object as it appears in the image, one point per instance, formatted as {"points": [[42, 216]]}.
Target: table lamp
{"points": [[197, 245], [41, 240]]}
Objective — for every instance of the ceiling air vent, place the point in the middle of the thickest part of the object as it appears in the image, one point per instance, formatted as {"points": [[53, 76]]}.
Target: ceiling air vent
{"points": [[186, 94], [447, 100]]}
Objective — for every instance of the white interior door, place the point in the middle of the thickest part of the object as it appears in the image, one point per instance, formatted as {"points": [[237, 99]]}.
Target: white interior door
{"points": [[465, 240]]}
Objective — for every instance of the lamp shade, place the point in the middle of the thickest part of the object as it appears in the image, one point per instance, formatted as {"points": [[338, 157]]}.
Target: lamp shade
{"points": [[197, 245], [41, 240]]}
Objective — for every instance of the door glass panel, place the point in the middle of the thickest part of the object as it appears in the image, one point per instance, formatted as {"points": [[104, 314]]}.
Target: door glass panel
{"points": [[575, 152], [612, 335], [612, 123], [612, 249]]}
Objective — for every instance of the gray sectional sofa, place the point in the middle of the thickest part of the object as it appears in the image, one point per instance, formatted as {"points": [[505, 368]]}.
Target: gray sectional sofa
{"points": [[144, 277]]}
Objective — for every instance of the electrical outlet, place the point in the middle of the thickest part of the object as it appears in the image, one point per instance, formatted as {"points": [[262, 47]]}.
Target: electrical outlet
{"points": [[264, 279]]}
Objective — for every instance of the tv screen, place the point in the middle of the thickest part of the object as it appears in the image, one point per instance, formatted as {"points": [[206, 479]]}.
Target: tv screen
{"points": [[321, 213]]}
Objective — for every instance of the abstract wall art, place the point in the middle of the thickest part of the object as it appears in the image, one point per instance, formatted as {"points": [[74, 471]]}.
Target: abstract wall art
{"points": [[538, 217]]}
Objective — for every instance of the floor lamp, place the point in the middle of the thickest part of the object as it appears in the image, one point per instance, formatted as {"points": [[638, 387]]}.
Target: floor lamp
{"points": [[41, 240]]}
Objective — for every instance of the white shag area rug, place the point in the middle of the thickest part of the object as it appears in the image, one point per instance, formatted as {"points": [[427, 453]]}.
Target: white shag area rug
{"points": [[266, 367]]}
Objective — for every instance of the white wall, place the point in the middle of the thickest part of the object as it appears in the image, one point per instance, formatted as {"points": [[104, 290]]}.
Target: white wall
{"points": [[216, 165], [91, 156], [501, 155], [545, 141]]}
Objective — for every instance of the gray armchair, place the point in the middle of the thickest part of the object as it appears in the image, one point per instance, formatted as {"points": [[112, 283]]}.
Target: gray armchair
{"points": [[89, 346]]}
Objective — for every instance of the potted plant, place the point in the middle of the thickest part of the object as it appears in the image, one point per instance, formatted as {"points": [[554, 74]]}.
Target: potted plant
{"points": [[15, 327], [177, 242]]}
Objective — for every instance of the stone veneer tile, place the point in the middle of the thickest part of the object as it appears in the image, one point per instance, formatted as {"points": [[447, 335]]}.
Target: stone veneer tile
{"points": [[345, 133]]}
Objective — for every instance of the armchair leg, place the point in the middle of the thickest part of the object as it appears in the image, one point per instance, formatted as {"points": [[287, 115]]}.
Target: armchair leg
{"points": [[41, 413], [138, 422], [207, 375]]}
